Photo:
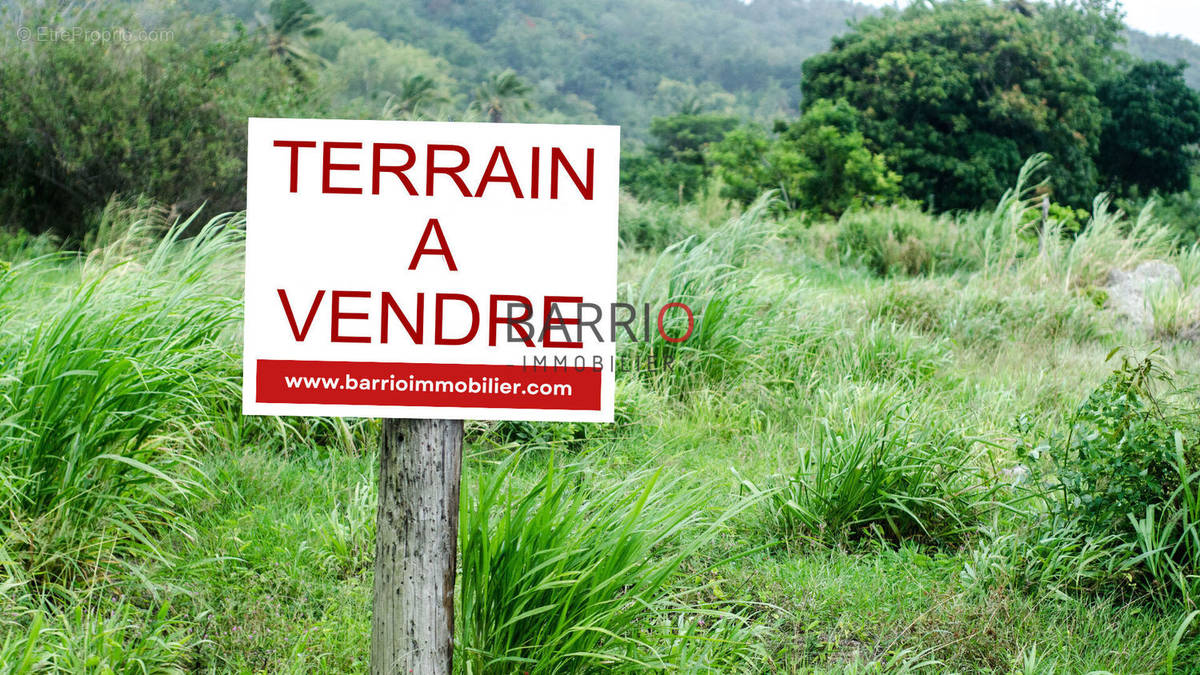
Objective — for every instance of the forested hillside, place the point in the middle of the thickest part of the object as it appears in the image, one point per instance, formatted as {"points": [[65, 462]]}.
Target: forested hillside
{"points": [[619, 62], [709, 95], [627, 61]]}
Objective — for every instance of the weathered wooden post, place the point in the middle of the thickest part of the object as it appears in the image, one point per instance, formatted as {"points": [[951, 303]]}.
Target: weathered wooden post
{"points": [[416, 543]]}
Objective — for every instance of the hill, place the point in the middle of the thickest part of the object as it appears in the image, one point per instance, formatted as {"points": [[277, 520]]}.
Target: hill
{"points": [[1167, 48], [627, 61]]}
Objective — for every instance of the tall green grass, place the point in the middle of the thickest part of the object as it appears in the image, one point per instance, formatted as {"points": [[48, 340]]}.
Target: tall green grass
{"points": [[560, 575], [107, 383], [124, 641], [736, 311], [894, 476]]}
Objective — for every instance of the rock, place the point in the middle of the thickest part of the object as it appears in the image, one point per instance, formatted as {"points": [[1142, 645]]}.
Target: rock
{"points": [[1127, 291], [1190, 334]]}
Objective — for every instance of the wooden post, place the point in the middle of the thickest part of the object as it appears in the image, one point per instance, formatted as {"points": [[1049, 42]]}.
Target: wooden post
{"points": [[416, 544]]}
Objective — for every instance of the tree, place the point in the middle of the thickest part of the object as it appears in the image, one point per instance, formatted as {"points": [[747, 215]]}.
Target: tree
{"points": [[818, 163], [290, 24], [1152, 116], [502, 94], [958, 94], [746, 164], [675, 165]]}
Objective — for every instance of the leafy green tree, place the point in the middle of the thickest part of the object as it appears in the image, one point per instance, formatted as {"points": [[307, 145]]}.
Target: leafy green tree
{"points": [[818, 163], [834, 169], [502, 94], [1091, 29], [675, 164], [958, 94], [1153, 116], [747, 163], [683, 138]]}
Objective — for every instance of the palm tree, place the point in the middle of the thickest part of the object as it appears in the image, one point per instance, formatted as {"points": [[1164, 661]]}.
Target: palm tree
{"points": [[415, 92], [290, 23], [502, 94]]}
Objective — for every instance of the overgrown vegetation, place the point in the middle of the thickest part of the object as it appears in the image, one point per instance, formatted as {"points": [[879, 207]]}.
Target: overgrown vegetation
{"points": [[900, 438], [865, 410]]}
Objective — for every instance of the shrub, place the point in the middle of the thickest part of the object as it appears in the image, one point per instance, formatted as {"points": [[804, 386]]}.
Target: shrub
{"points": [[674, 166], [819, 163], [1119, 454], [1115, 499]]}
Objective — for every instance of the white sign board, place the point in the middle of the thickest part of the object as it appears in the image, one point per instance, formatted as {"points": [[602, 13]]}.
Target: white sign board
{"points": [[430, 269]]}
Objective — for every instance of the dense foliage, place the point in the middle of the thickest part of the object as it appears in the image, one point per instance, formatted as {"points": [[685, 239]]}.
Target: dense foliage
{"points": [[819, 163], [1153, 118], [676, 163], [81, 121], [958, 94]]}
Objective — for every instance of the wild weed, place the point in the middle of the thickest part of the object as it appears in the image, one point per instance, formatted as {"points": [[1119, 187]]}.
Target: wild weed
{"points": [[122, 641]]}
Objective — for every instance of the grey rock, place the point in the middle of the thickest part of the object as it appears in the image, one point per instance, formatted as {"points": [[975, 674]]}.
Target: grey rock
{"points": [[1127, 291]]}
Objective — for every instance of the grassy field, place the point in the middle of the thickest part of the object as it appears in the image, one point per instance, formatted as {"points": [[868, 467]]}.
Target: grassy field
{"points": [[896, 443]]}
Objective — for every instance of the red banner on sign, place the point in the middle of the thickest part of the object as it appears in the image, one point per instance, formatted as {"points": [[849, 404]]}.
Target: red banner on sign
{"points": [[427, 384]]}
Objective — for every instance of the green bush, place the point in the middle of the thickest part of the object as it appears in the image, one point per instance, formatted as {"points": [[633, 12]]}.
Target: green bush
{"points": [[1115, 500], [675, 166], [1119, 455], [819, 163]]}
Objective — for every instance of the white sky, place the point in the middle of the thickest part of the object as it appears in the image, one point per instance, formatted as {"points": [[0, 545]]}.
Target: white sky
{"points": [[1173, 17]]}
